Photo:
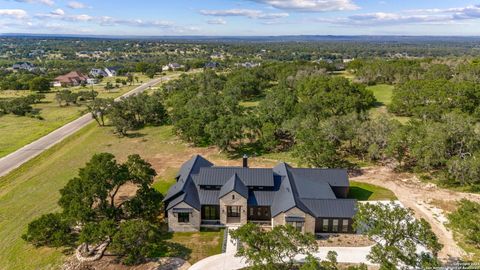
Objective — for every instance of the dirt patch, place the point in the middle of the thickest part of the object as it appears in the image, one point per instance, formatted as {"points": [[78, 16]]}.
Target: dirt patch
{"points": [[344, 240], [111, 263], [421, 197]]}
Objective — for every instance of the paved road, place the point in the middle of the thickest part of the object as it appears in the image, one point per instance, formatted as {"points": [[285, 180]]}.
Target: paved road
{"points": [[24, 154]]}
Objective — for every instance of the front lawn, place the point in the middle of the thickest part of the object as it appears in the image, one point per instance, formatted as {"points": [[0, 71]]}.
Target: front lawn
{"points": [[198, 245], [368, 192]]}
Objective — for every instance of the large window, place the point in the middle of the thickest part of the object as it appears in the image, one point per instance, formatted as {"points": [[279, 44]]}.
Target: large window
{"points": [[345, 225], [325, 225], [210, 212], [183, 217], [335, 225]]}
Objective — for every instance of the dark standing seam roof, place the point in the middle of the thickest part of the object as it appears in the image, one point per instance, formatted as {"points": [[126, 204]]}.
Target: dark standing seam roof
{"points": [[190, 197], [334, 177], [336, 208], [218, 176], [313, 189], [234, 184], [208, 197], [260, 197], [192, 166]]}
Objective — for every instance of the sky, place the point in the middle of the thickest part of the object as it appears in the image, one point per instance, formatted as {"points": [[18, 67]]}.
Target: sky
{"points": [[241, 17]]}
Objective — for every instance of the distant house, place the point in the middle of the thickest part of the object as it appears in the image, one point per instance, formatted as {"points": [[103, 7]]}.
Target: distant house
{"points": [[217, 56], [172, 66], [249, 65], [73, 78], [97, 72], [23, 66], [112, 71], [212, 65], [311, 200]]}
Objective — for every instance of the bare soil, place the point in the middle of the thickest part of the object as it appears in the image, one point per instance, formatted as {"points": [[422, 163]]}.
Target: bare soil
{"points": [[427, 201], [344, 240]]}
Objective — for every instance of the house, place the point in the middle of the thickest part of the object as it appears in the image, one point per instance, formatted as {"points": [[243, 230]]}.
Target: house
{"points": [[97, 72], [172, 66], [312, 200], [73, 78], [112, 71], [212, 65], [23, 66], [249, 65]]}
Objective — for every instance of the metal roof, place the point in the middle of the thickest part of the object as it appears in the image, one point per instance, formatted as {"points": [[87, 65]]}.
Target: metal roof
{"points": [[336, 208], [260, 197], [192, 166], [309, 189], [218, 176], [234, 184], [208, 197], [189, 196], [334, 177]]}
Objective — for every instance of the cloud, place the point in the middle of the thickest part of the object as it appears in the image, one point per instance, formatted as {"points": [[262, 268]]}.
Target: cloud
{"points": [[43, 2], [109, 21], [418, 16], [58, 12], [13, 13], [217, 21], [76, 5], [249, 13], [310, 5]]}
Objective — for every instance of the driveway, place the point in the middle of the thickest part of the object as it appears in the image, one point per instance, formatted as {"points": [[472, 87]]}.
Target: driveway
{"points": [[228, 261], [24, 154]]}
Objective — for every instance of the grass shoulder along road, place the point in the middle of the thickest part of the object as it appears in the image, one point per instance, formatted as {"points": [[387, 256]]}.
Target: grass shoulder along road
{"points": [[18, 131]]}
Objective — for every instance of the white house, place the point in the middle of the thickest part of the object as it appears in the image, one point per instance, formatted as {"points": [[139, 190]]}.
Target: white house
{"points": [[112, 71]]}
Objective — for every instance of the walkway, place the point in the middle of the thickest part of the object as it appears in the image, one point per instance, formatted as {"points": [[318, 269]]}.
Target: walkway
{"points": [[24, 154]]}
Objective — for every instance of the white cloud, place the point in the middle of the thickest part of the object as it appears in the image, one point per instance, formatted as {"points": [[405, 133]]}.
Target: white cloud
{"points": [[13, 13], [310, 5], [418, 16], [76, 5], [44, 2], [217, 21], [58, 12], [249, 13]]}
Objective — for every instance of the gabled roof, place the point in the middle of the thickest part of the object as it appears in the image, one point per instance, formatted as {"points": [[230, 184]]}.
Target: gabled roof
{"points": [[234, 184], [193, 165], [189, 196]]}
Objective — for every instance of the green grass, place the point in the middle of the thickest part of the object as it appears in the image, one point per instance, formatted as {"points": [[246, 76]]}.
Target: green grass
{"points": [[199, 244], [383, 93], [368, 192]]}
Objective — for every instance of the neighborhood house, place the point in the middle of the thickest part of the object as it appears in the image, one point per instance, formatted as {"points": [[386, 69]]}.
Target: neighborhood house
{"points": [[112, 71], [73, 78], [23, 66], [312, 200]]}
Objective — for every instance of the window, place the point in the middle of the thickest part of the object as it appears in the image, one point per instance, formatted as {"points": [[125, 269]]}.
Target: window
{"points": [[345, 225], [210, 212], [325, 225], [335, 225], [183, 217], [251, 211], [233, 197], [297, 225]]}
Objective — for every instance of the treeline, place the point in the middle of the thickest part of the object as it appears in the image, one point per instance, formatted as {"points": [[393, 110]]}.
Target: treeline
{"points": [[20, 106], [24, 81]]}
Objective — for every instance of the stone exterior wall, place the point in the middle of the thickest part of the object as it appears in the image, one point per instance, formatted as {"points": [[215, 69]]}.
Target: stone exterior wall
{"points": [[192, 226], [233, 199], [309, 225]]}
